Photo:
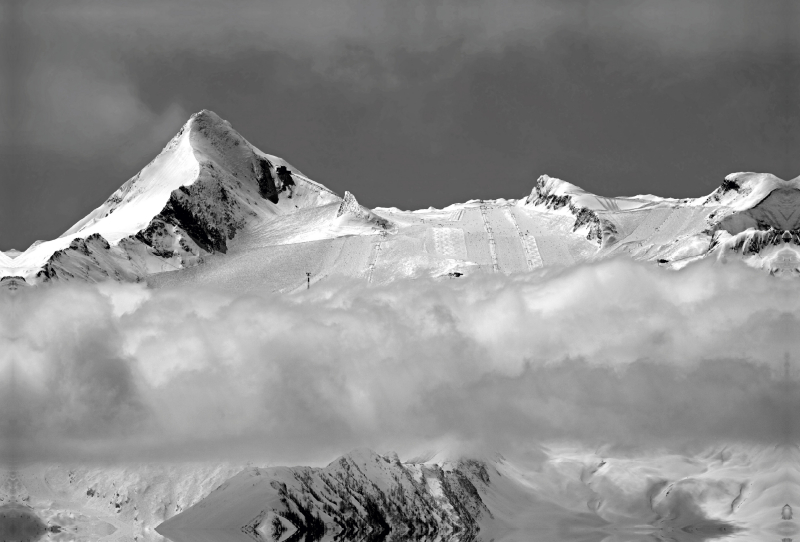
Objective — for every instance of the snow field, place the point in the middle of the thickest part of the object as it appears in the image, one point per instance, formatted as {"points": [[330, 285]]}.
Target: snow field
{"points": [[533, 221], [510, 251], [696, 221], [475, 237], [354, 257], [625, 223], [554, 251], [553, 236], [282, 229], [449, 242], [648, 227], [532, 249], [374, 255], [581, 249], [402, 257], [532, 257], [654, 240], [265, 269], [666, 233], [490, 235]]}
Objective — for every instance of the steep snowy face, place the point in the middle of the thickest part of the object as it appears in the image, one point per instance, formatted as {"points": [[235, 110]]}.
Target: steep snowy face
{"points": [[742, 191], [206, 186], [780, 211], [206, 180], [761, 222]]}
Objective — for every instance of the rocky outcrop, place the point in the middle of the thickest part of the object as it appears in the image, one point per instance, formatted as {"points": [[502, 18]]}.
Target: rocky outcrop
{"points": [[350, 206], [729, 187], [546, 194], [360, 495], [91, 260]]}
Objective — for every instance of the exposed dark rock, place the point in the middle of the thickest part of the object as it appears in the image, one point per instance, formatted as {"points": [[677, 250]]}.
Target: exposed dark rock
{"points": [[729, 184], [361, 496], [287, 182], [757, 241], [179, 212], [584, 217], [266, 183], [98, 240], [204, 211]]}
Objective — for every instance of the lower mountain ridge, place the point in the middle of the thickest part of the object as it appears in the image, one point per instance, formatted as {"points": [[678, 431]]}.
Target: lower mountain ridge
{"points": [[551, 496], [546, 493], [360, 495]]}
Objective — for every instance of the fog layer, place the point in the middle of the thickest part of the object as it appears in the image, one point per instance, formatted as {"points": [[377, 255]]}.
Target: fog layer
{"points": [[617, 354]]}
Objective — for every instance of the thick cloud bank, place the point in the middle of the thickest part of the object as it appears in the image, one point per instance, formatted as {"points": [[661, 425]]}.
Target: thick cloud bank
{"points": [[615, 354]]}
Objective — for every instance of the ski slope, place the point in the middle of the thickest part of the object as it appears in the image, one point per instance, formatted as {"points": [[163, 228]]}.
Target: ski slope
{"points": [[212, 209]]}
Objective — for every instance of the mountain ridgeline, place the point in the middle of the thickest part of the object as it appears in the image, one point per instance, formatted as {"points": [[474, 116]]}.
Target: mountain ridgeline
{"points": [[543, 494], [213, 209], [366, 496], [359, 496]]}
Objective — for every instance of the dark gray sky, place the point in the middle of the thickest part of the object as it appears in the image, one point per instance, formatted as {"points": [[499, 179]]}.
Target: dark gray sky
{"points": [[404, 103]]}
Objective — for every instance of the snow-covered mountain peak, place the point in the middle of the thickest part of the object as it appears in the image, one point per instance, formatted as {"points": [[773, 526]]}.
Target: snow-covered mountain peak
{"points": [[744, 190], [213, 140], [210, 192], [207, 158], [759, 201], [206, 119], [358, 456], [206, 186]]}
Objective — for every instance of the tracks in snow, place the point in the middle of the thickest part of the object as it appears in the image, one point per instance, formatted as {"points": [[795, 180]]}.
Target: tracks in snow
{"points": [[373, 259], [529, 246], [492, 245]]}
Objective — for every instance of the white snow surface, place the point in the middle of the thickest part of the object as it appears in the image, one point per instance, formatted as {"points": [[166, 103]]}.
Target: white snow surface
{"points": [[204, 212]]}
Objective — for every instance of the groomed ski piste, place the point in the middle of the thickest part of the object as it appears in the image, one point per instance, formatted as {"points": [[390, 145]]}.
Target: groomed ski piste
{"points": [[211, 209]]}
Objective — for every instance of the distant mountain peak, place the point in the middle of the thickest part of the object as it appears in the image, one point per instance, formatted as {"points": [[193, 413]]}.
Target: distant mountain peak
{"points": [[210, 191], [203, 188]]}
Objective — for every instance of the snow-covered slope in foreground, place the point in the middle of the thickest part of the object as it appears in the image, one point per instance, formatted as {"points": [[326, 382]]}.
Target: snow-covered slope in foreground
{"points": [[213, 209]]}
